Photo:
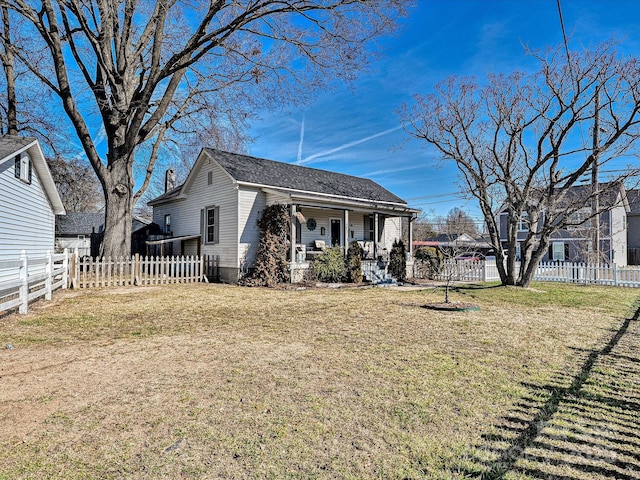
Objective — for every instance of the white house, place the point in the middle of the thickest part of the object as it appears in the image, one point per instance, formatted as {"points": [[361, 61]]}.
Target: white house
{"points": [[215, 211], [29, 200], [574, 243]]}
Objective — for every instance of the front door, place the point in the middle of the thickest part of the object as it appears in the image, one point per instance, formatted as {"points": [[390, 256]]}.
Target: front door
{"points": [[336, 231]]}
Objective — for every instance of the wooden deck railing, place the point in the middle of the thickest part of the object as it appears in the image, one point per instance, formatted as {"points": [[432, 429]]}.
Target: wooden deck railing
{"points": [[27, 278]]}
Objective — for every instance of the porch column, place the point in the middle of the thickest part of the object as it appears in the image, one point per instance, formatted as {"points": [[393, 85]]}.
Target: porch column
{"points": [[411, 218], [376, 235], [346, 231], [292, 233]]}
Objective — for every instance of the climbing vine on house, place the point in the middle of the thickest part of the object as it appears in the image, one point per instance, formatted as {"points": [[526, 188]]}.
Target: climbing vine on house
{"points": [[271, 265]]}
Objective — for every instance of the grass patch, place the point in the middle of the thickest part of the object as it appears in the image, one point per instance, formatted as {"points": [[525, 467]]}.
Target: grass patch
{"points": [[227, 382]]}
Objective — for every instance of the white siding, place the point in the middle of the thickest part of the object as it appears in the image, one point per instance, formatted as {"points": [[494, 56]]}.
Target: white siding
{"points": [[27, 221], [619, 236], [321, 216], [185, 214], [392, 232], [251, 203]]}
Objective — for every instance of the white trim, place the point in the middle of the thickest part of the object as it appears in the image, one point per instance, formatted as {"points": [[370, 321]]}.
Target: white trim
{"points": [[172, 239], [42, 170]]}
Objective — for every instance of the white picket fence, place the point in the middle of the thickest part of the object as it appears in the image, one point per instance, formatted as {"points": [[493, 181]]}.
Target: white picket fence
{"points": [[614, 275], [88, 272], [26, 279], [487, 271]]}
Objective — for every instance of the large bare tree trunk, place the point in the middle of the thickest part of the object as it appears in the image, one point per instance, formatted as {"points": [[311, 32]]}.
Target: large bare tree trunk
{"points": [[118, 193], [8, 63]]}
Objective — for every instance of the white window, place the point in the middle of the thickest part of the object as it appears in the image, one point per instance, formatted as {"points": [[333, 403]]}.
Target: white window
{"points": [[211, 224], [167, 224], [209, 178], [558, 251], [523, 223], [23, 167]]}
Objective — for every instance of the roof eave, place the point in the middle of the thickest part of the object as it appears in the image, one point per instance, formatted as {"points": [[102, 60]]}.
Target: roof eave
{"points": [[336, 200], [44, 174]]}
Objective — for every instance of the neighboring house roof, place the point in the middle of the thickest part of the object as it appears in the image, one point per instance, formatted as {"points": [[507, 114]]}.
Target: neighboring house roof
{"points": [[86, 223], [612, 194], [269, 173], [633, 197], [453, 240], [12, 145], [454, 237], [79, 223]]}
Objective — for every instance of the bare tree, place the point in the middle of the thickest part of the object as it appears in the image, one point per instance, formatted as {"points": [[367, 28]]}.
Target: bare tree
{"points": [[24, 101], [77, 184], [7, 58], [150, 71], [423, 228], [522, 142], [457, 222]]}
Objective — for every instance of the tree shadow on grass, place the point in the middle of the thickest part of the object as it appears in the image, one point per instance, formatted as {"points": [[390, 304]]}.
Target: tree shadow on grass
{"points": [[581, 425]]}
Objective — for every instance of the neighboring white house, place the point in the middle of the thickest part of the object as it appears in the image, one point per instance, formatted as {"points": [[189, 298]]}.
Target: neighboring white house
{"points": [[29, 200], [575, 242], [633, 227], [215, 212]]}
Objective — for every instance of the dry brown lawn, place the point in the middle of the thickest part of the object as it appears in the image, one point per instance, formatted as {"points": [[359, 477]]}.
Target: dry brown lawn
{"points": [[212, 381]]}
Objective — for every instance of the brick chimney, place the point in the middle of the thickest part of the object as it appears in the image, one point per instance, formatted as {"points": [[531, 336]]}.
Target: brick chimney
{"points": [[169, 180]]}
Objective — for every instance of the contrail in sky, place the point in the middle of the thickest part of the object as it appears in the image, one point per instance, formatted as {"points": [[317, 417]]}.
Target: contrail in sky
{"points": [[301, 140], [394, 170], [310, 158]]}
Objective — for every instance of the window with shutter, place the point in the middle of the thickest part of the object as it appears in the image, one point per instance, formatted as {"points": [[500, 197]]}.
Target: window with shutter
{"points": [[211, 227], [23, 168]]}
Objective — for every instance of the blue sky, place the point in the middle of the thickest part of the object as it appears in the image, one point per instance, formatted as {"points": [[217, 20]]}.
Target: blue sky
{"points": [[356, 130]]}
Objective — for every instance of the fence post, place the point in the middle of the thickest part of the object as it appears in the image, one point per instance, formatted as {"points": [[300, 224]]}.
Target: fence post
{"points": [[48, 272], [24, 283], [616, 274], [75, 269], [65, 268], [136, 270]]}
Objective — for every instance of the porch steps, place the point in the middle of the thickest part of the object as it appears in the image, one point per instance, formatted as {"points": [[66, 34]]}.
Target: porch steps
{"points": [[379, 277]]}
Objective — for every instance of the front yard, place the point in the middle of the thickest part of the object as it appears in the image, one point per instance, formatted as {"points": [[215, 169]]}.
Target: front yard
{"points": [[213, 381]]}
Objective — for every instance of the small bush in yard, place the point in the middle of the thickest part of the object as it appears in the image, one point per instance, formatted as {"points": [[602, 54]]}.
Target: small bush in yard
{"points": [[431, 260], [330, 265], [397, 261], [354, 262]]}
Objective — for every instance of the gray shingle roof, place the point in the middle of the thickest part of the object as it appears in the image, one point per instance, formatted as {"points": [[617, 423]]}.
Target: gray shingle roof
{"points": [[609, 194], [261, 171], [633, 197], [79, 223], [11, 143]]}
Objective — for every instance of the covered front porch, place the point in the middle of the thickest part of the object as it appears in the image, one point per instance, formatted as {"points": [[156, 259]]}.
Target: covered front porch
{"points": [[319, 222]]}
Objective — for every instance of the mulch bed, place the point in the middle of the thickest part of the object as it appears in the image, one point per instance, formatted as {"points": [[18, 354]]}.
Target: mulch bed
{"points": [[452, 307]]}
